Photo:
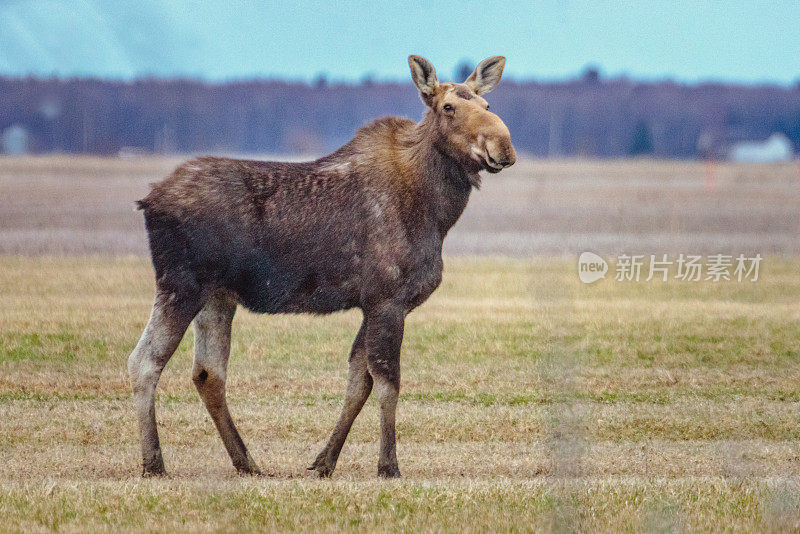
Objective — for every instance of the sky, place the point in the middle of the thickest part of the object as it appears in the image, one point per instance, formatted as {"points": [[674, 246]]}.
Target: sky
{"points": [[691, 41]]}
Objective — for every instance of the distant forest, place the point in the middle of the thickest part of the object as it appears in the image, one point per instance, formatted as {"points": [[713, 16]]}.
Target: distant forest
{"points": [[588, 116]]}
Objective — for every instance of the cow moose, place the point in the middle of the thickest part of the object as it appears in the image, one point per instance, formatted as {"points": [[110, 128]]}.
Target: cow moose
{"points": [[360, 228]]}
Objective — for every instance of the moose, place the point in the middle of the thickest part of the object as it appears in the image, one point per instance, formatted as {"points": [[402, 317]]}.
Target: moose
{"points": [[360, 228]]}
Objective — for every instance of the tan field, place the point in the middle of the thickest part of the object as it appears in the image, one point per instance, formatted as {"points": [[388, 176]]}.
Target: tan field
{"points": [[82, 205], [530, 401]]}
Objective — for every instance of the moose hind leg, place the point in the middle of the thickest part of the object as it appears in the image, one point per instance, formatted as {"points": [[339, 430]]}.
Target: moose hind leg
{"points": [[359, 386], [212, 347], [164, 331]]}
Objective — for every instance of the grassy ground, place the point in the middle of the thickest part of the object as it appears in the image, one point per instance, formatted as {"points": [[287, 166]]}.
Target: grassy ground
{"points": [[529, 401]]}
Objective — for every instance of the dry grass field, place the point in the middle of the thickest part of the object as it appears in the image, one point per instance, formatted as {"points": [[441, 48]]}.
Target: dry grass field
{"points": [[84, 205], [530, 401]]}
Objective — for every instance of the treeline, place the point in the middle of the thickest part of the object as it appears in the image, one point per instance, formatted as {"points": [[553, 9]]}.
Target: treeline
{"points": [[589, 116]]}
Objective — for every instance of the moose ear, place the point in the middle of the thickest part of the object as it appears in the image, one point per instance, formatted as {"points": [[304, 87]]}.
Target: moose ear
{"points": [[487, 75], [423, 74]]}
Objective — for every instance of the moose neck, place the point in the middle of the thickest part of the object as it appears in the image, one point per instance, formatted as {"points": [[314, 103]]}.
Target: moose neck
{"points": [[443, 185]]}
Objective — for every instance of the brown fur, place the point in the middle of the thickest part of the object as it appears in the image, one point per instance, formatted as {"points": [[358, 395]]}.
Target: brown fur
{"points": [[362, 227]]}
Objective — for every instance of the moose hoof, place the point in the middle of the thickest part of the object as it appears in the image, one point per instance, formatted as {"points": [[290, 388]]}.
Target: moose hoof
{"points": [[153, 465], [324, 471], [322, 467], [248, 467], [156, 470], [388, 471], [249, 471]]}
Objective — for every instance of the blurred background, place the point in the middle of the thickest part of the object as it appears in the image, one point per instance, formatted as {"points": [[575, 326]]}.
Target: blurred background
{"points": [[703, 97], [610, 79]]}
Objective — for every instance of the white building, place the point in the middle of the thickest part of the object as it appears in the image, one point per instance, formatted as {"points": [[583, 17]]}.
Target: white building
{"points": [[15, 140], [776, 148]]}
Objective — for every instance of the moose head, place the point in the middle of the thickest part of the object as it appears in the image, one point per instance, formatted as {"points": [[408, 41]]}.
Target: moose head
{"points": [[465, 129]]}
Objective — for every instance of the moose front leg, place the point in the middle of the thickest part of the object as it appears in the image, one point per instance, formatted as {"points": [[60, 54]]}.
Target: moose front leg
{"points": [[359, 385], [384, 338]]}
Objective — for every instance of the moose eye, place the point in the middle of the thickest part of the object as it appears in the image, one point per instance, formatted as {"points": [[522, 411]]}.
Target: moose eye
{"points": [[448, 107]]}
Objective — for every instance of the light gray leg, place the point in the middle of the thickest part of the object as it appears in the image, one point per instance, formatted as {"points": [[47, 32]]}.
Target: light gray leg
{"points": [[359, 385], [159, 340], [388, 392], [212, 347]]}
